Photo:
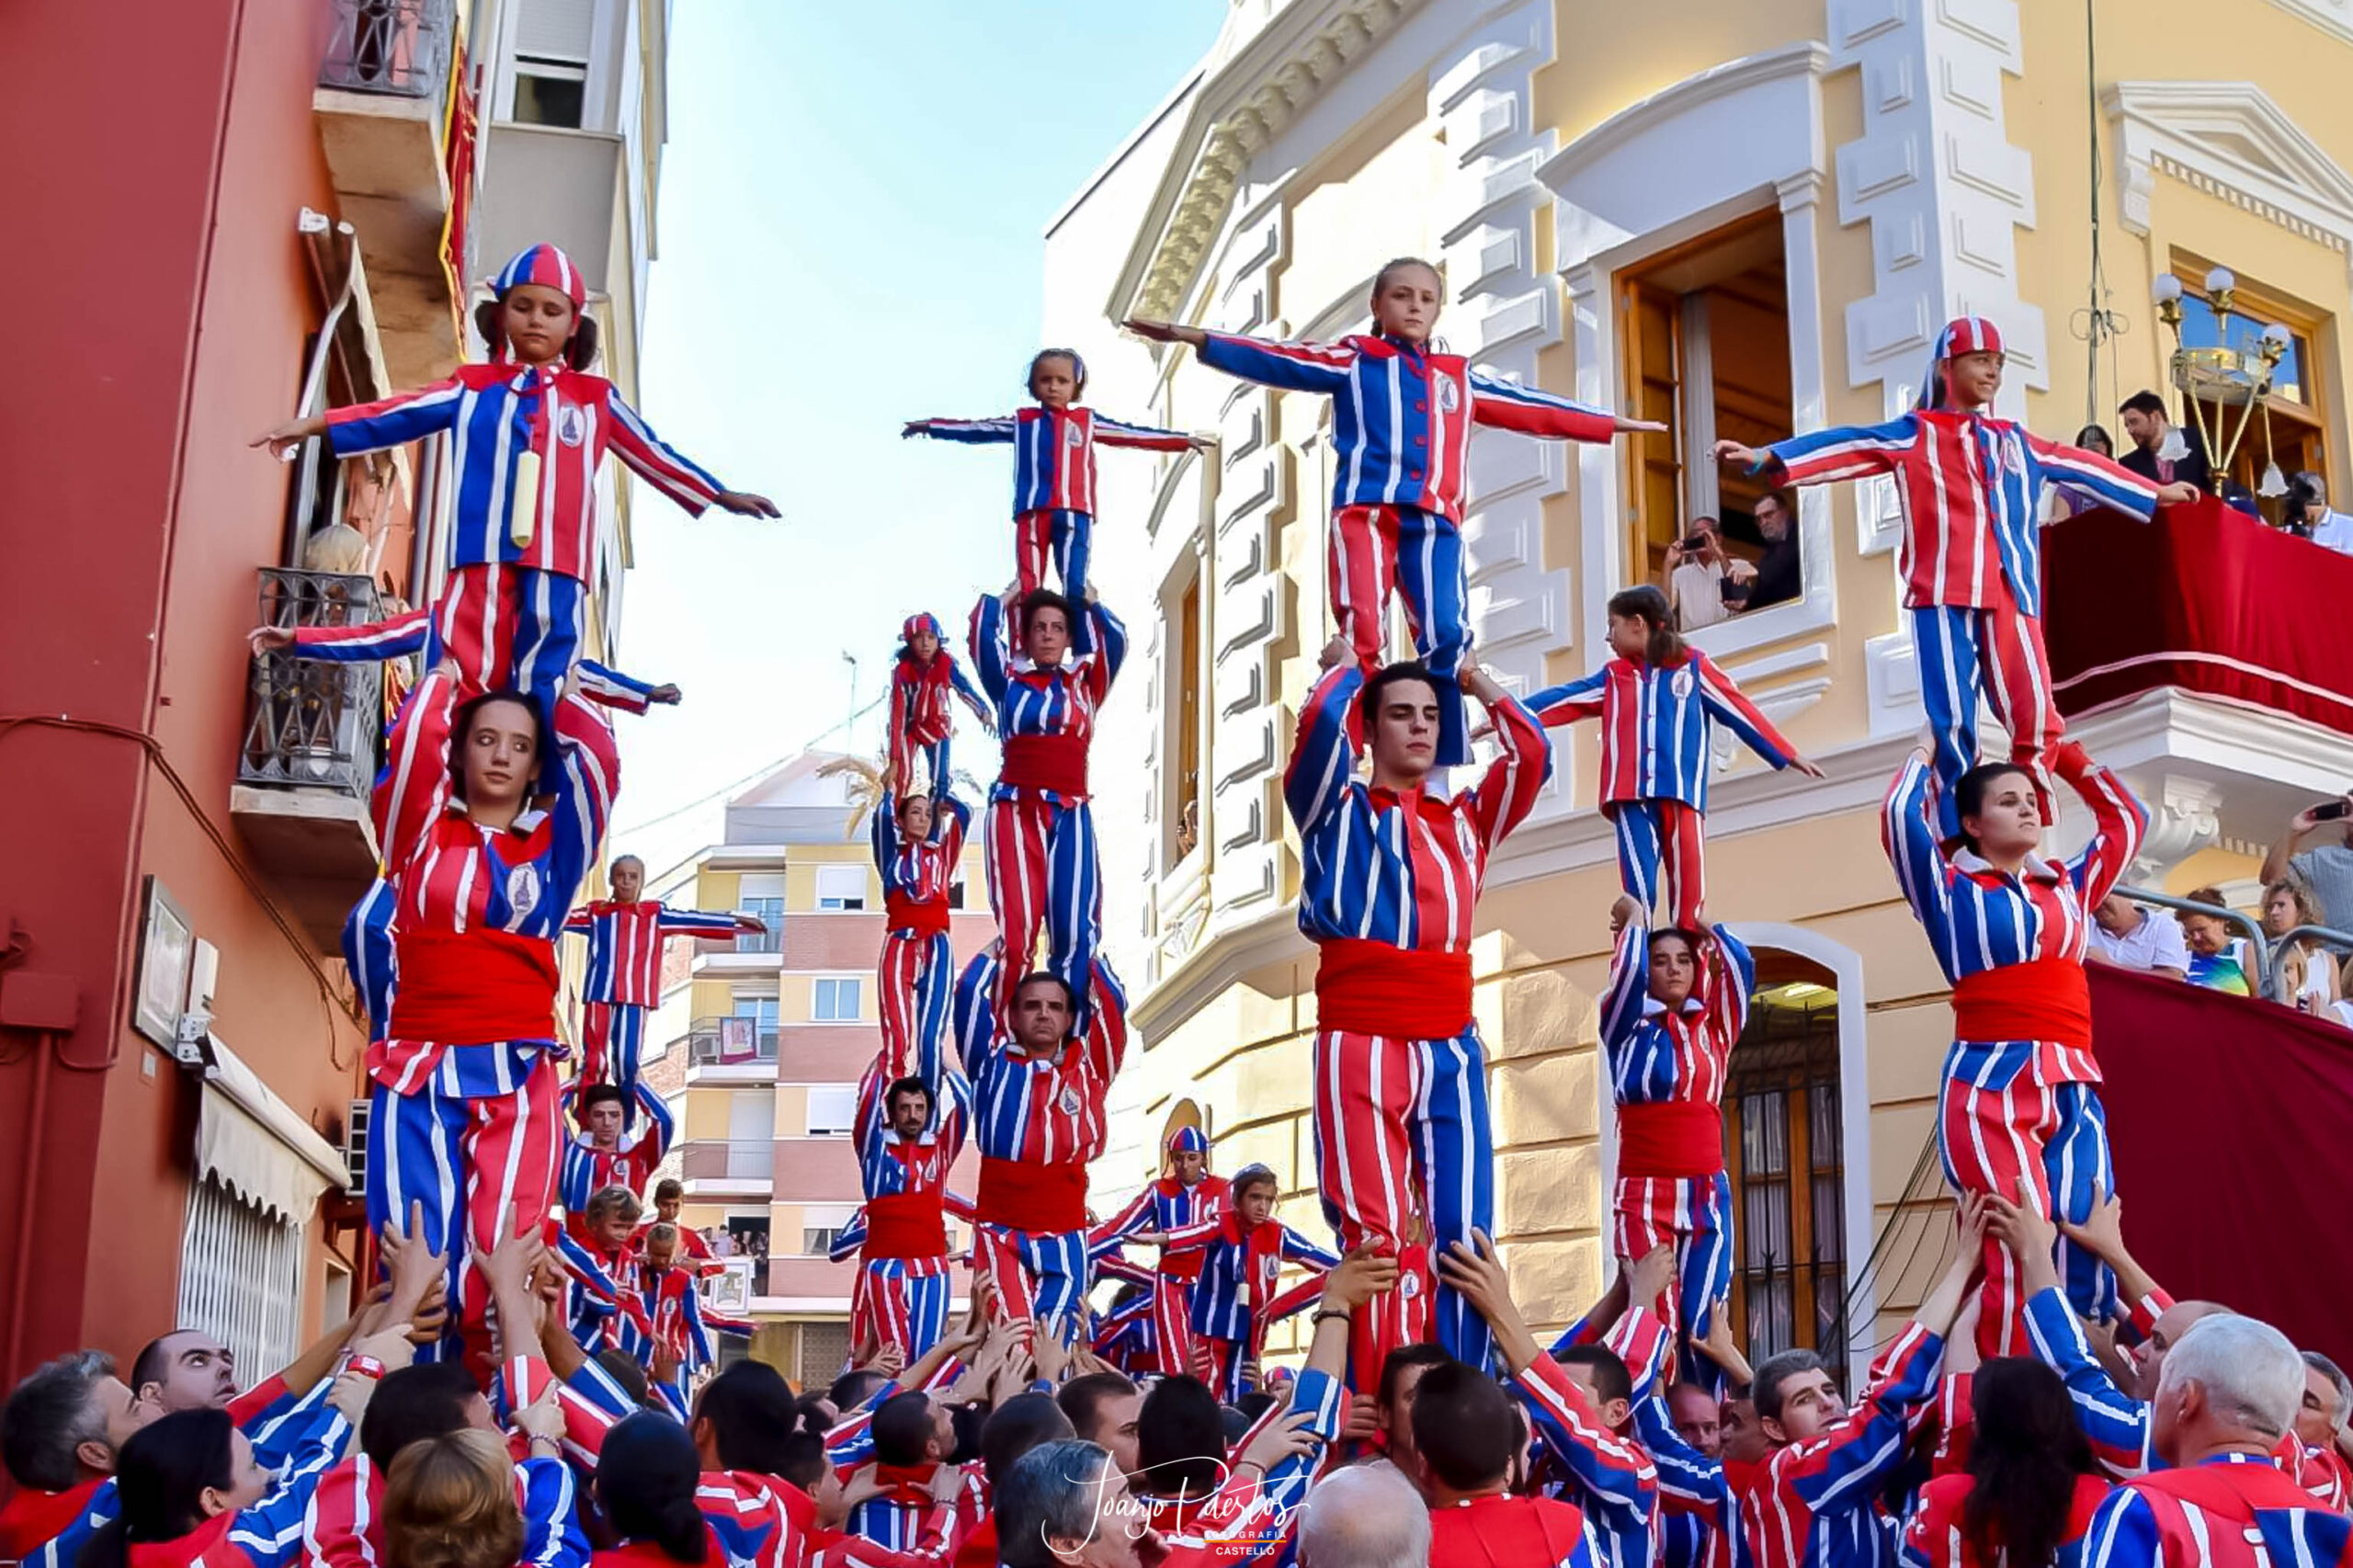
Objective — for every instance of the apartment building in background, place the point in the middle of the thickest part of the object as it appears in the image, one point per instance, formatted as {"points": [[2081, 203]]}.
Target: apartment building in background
{"points": [[304, 200], [1751, 222], [766, 1039]]}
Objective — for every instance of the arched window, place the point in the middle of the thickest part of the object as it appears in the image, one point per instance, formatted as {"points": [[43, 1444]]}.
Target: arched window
{"points": [[1785, 1156]]}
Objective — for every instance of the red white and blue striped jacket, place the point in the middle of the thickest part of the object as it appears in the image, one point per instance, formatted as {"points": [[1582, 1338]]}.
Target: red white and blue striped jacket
{"points": [[1167, 1206], [2235, 1510], [268, 1534], [1655, 723], [405, 634], [1978, 917], [1038, 1109], [1240, 1268], [629, 1163], [494, 413], [1401, 416], [1402, 868], [1608, 1475], [1031, 698], [1815, 1504], [1698, 1521], [887, 1165], [919, 712], [1661, 1057], [1972, 488], [922, 872], [625, 946], [1053, 451], [455, 877], [345, 1525]]}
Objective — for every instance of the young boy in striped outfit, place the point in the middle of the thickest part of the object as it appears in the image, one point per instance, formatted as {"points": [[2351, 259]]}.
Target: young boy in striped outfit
{"points": [[626, 934], [1402, 415], [1185, 1194], [1970, 485]]}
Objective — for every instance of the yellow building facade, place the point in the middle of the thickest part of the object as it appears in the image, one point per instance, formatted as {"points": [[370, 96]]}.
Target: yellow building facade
{"points": [[1746, 221]]}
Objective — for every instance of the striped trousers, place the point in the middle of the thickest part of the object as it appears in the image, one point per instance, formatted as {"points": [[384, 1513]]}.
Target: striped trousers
{"points": [[1402, 1128], [1694, 1215], [901, 1301], [1374, 552], [2043, 1145], [1066, 538], [1661, 855], [1045, 881], [1999, 650], [1040, 1275], [612, 1043], [513, 629], [917, 975], [474, 1148]]}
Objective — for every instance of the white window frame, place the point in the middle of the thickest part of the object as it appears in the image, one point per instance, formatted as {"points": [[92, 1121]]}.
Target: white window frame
{"points": [[841, 903], [844, 1097], [856, 983]]}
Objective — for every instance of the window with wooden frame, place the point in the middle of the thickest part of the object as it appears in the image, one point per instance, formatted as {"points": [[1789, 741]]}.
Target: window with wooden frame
{"points": [[2296, 438], [1703, 331], [1786, 1160]]}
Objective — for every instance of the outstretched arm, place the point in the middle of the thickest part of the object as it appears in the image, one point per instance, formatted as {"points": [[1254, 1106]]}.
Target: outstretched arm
{"points": [[1531, 411], [1110, 432], [1295, 367], [664, 468], [395, 638], [1842, 451], [995, 430], [1729, 706], [608, 687], [1571, 700], [2101, 481]]}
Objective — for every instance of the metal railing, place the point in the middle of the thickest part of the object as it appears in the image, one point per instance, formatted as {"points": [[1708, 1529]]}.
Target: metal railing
{"points": [[769, 942], [398, 48], [728, 1159], [312, 725], [2269, 980], [729, 1041]]}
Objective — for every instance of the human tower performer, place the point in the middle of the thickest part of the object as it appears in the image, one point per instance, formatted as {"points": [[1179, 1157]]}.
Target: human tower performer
{"points": [[499, 778], [1184, 1195], [2019, 1115], [626, 936], [1402, 415]]}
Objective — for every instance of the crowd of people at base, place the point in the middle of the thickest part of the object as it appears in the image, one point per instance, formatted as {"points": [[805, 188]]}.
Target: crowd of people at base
{"points": [[562, 1402]]}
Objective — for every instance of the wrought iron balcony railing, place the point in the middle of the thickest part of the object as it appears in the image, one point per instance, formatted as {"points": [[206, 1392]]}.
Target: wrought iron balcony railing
{"points": [[312, 725], [399, 48]]}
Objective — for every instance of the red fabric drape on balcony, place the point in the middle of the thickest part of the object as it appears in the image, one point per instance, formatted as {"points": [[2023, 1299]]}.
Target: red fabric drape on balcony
{"points": [[2205, 599], [2233, 1125]]}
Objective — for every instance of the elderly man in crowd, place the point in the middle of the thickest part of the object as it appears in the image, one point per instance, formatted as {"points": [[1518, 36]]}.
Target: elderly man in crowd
{"points": [[2129, 936]]}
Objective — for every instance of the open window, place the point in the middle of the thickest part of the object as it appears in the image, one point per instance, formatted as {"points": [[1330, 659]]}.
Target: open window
{"points": [[2296, 438], [1706, 337], [1185, 713], [1787, 1160]]}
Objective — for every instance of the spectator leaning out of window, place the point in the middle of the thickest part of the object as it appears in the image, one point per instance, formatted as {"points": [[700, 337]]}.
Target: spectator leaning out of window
{"points": [[2218, 958], [2130, 936], [1701, 579], [2327, 866], [2307, 970], [1776, 577]]}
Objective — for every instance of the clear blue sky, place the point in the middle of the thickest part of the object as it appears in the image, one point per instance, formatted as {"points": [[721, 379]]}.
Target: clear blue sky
{"points": [[852, 212]]}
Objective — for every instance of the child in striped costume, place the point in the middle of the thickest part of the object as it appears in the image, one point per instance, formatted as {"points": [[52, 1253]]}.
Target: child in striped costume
{"points": [[1053, 465], [1184, 1195], [923, 680], [1240, 1254]]}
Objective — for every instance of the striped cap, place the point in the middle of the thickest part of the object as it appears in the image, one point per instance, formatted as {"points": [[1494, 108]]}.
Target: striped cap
{"points": [[543, 265], [1189, 1141], [1963, 334], [923, 622]]}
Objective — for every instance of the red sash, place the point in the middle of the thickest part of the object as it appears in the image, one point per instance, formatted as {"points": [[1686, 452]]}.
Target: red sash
{"points": [[1045, 762], [1678, 1139], [905, 1224], [1410, 992], [924, 917], [473, 988], [906, 1485], [1024, 1195], [33, 1519], [2233, 1492], [2041, 999]]}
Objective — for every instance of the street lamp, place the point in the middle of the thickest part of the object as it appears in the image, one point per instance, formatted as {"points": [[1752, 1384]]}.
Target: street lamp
{"points": [[2223, 376]]}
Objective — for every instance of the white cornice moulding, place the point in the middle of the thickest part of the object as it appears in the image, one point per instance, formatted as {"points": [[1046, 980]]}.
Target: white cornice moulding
{"points": [[2333, 16], [2230, 140], [1810, 59]]}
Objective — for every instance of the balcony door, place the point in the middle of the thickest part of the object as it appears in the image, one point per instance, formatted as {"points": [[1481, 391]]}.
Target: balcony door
{"points": [[751, 1133]]}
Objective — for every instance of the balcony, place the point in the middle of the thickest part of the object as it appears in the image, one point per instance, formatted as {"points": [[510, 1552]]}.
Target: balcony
{"points": [[382, 109], [728, 1168], [314, 734], [2226, 716], [563, 187]]}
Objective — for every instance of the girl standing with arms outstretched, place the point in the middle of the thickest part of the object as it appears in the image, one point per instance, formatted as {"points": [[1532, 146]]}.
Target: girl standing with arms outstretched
{"points": [[1402, 416]]}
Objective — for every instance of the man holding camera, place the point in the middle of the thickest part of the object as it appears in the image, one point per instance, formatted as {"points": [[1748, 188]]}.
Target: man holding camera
{"points": [[1701, 578], [2326, 868]]}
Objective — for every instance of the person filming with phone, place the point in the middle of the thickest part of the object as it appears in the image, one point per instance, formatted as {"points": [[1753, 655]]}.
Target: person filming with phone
{"points": [[1702, 579], [2326, 868]]}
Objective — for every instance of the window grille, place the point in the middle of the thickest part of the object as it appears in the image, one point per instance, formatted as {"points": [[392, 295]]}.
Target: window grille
{"points": [[241, 1279]]}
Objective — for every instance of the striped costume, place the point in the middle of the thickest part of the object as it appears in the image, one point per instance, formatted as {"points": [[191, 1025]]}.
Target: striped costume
{"points": [[624, 977], [1038, 1122], [414, 632], [2234, 1510], [1667, 1077], [1401, 419], [1388, 889], [1815, 1504], [916, 972], [1657, 723], [525, 444], [1234, 1294], [1054, 480], [1166, 1205], [922, 718], [345, 1525], [1970, 486], [2019, 1111], [1608, 1475], [902, 1291], [588, 1168], [465, 1119], [1044, 876]]}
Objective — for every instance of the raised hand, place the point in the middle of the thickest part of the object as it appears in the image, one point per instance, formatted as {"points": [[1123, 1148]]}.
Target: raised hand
{"points": [[282, 439], [1627, 908], [2101, 1235], [269, 640], [1649, 1277], [1734, 453], [745, 504], [1144, 326], [1365, 1273], [1336, 653]]}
